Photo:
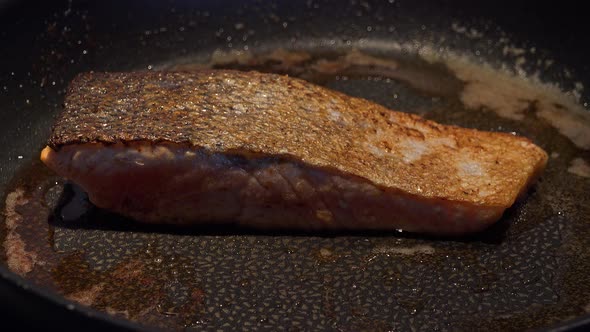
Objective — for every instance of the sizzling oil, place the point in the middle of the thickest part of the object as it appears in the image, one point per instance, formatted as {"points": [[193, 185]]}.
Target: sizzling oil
{"points": [[524, 272]]}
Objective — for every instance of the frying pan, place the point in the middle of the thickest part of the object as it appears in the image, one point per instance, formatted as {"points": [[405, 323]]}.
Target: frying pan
{"points": [[528, 272]]}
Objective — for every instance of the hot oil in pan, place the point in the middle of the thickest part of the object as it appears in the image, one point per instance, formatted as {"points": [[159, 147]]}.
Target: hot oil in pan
{"points": [[524, 272]]}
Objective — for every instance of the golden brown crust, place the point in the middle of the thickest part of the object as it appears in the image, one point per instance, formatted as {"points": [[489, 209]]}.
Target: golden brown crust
{"points": [[272, 115]]}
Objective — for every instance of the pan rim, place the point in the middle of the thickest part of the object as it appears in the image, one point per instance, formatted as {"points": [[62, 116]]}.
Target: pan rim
{"points": [[25, 285]]}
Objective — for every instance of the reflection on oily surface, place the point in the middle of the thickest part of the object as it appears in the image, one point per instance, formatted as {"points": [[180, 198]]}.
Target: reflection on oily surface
{"points": [[524, 272]]}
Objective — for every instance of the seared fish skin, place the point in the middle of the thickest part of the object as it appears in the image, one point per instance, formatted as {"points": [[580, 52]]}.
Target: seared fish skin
{"points": [[270, 151]]}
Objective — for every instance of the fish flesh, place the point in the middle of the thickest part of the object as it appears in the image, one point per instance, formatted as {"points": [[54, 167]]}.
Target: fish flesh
{"points": [[274, 152]]}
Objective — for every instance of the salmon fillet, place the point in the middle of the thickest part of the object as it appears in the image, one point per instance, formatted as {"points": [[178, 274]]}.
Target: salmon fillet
{"points": [[274, 152]]}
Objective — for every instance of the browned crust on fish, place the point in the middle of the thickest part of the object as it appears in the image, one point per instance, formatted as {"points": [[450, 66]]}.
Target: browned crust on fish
{"points": [[267, 115]]}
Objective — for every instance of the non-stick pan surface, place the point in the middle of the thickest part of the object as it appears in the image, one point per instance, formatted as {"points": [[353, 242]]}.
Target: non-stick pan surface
{"points": [[527, 272]]}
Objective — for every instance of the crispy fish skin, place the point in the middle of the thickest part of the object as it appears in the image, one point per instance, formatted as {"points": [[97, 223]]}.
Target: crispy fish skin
{"points": [[332, 142]]}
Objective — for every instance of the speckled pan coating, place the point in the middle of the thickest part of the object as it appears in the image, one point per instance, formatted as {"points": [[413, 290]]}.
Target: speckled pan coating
{"points": [[523, 273]]}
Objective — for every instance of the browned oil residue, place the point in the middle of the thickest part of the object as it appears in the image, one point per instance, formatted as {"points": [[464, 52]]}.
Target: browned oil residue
{"points": [[171, 279]]}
